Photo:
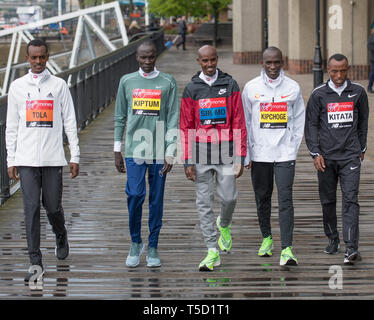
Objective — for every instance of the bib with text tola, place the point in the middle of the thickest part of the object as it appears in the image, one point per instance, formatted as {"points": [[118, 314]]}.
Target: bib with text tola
{"points": [[146, 102], [39, 113], [273, 115]]}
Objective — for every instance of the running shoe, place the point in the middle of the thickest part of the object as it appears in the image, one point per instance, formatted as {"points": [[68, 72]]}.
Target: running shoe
{"points": [[333, 246], [153, 261], [211, 260], [133, 257], [225, 240], [62, 246], [287, 258], [351, 256], [266, 247]]}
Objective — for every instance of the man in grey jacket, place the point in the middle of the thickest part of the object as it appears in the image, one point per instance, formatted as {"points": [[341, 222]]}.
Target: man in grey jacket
{"points": [[182, 30]]}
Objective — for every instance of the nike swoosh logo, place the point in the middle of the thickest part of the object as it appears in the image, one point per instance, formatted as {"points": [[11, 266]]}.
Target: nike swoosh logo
{"points": [[282, 97], [351, 96], [352, 168]]}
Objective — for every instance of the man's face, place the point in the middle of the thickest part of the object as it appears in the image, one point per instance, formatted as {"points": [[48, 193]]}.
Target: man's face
{"points": [[146, 56], [37, 57], [208, 60], [338, 71], [272, 63]]}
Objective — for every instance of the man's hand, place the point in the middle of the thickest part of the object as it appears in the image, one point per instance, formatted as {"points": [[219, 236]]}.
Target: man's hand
{"points": [[13, 173], [248, 166], [362, 156], [118, 161], [168, 165], [238, 170], [319, 163], [74, 169], [190, 173]]}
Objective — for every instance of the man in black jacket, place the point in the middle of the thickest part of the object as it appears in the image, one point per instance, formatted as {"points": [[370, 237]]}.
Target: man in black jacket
{"points": [[371, 49], [182, 30], [335, 132]]}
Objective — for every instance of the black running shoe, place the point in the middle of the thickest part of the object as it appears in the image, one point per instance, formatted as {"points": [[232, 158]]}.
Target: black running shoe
{"points": [[62, 246], [351, 256], [333, 246]]}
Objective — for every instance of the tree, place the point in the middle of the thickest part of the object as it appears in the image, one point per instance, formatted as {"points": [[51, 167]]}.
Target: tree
{"points": [[194, 8]]}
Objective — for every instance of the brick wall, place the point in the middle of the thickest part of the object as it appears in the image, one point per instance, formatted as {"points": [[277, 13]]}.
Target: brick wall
{"points": [[359, 72], [249, 57], [296, 66]]}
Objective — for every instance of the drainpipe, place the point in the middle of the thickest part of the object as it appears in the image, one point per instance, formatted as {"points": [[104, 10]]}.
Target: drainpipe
{"points": [[352, 3]]}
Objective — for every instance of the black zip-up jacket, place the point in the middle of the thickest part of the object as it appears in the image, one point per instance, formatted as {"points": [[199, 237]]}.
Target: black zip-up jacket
{"points": [[336, 126]]}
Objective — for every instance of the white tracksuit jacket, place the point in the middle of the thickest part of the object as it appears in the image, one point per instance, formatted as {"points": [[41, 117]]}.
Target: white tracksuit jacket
{"points": [[36, 117], [275, 117]]}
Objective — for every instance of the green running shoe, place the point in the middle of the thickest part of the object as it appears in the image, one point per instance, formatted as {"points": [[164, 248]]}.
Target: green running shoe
{"points": [[225, 240], [211, 260], [266, 247], [287, 258]]}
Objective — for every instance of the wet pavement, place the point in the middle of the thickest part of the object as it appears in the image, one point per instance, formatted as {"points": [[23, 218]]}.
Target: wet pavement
{"points": [[97, 223]]}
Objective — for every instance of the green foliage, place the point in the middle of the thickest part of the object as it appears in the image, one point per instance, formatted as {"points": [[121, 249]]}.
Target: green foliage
{"points": [[196, 8]]}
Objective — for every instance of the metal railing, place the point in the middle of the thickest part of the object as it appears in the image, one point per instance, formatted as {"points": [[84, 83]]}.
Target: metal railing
{"points": [[93, 87]]}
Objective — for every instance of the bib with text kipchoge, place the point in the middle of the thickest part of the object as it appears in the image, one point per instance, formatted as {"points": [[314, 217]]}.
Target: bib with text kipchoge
{"points": [[273, 115], [146, 102]]}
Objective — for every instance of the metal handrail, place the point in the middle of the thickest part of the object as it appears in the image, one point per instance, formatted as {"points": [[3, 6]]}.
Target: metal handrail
{"points": [[93, 86]]}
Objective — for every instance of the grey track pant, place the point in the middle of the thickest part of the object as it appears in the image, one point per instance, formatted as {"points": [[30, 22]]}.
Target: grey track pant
{"points": [[262, 174], [226, 192], [34, 182]]}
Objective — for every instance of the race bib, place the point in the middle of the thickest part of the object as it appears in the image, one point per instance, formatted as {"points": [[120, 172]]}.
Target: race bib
{"points": [[212, 111], [273, 115], [39, 113], [146, 102], [340, 114]]}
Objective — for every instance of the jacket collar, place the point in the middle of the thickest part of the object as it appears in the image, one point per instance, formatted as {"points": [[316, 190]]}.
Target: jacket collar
{"points": [[43, 76], [270, 82], [347, 88], [222, 78]]}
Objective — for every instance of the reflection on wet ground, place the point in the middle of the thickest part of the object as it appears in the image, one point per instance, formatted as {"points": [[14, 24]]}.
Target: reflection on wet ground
{"points": [[97, 221]]}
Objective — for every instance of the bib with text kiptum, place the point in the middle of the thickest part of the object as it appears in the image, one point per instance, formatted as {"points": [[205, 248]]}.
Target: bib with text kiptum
{"points": [[146, 102]]}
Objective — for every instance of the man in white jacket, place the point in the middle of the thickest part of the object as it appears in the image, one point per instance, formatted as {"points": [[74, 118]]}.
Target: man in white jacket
{"points": [[275, 116], [39, 108]]}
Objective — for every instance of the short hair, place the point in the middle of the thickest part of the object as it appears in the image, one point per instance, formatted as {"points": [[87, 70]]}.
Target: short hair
{"points": [[273, 49], [37, 42], [337, 57], [147, 43]]}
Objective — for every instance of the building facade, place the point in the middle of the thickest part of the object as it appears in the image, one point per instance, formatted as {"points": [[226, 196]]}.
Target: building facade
{"points": [[291, 26]]}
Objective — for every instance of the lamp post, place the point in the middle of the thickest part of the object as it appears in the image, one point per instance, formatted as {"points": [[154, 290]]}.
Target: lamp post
{"points": [[317, 62]]}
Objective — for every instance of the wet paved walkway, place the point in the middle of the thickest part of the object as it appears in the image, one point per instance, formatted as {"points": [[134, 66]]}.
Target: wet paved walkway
{"points": [[97, 221]]}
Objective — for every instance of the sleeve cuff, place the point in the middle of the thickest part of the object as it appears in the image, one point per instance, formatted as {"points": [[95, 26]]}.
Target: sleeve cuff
{"points": [[117, 146]]}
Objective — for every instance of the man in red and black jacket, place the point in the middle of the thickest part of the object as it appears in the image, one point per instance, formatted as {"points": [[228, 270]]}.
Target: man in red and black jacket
{"points": [[214, 143]]}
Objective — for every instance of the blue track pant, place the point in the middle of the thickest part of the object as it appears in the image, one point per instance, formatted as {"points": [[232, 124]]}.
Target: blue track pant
{"points": [[136, 190]]}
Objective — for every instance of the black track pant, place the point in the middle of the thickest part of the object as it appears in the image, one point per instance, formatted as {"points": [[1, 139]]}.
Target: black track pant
{"points": [[348, 171], [262, 174], [45, 181]]}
